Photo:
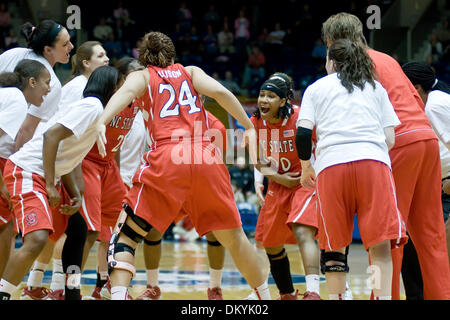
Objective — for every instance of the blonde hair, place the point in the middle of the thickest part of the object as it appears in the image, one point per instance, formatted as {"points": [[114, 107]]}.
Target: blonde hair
{"points": [[156, 49], [343, 26]]}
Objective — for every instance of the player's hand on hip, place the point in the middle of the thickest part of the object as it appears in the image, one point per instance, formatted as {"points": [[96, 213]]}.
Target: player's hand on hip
{"points": [[73, 208], [101, 139], [54, 197], [291, 179]]}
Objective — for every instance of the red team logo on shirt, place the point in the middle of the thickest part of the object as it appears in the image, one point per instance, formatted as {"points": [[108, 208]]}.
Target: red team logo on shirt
{"points": [[31, 219]]}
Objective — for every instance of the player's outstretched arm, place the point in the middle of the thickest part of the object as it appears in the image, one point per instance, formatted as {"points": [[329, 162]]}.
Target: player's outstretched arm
{"points": [[134, 87]]}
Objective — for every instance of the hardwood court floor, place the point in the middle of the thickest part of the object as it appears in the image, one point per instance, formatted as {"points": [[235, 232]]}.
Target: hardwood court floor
{"points": [[184, 273]]}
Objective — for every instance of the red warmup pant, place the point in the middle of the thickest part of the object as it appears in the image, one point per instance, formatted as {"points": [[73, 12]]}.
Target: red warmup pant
{"points": [[417, 175]]}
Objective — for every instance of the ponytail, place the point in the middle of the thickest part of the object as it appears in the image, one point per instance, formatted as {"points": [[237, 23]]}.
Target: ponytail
{"points": [[25, 70], [353, 65], [10, 80], [45, 34]]}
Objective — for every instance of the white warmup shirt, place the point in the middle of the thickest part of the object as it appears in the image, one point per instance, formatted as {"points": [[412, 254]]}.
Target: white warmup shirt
{"points": [[80, 118], [8, 62], [349, 127], [72, 91], [437, 110], [132, 150], [13, 110]]}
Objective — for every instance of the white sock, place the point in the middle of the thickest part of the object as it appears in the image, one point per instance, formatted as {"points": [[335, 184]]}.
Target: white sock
{"points": [[263, 292], [383, 298], [215, 278], [104, 275], [313, 283], [119, 293], [36, 275], [58, 276], [339, 296], [152, 277], [7, 287]]}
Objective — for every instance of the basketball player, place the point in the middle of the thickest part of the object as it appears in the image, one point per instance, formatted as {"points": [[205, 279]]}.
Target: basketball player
{"points": [[415, 165], [31, 173], [103, 197], [216, 252], [168, 181], [289, 211], [29, 83], [355, 122], [435, 95], [49, 43], [89, 56]]}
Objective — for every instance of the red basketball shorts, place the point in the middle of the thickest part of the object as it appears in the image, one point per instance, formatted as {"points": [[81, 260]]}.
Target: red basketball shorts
{"points": [[164, 186], [282, 207], [103, 194], [365, 188], [31, 208]]}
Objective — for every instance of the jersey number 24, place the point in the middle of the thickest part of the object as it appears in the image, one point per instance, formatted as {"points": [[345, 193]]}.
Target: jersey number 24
{"points": [[185, 98]]}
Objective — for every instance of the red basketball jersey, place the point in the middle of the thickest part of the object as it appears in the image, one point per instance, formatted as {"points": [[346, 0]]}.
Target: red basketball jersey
{"points": [[116, 131], [173, 111], [278, 141]]}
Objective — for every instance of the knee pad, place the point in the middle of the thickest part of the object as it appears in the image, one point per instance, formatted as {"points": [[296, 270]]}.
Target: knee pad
{"points": [[130, 232], [116, 247], [333, 256], [214, 243]]}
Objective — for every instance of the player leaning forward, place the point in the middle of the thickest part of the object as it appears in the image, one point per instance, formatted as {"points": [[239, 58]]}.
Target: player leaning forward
{"points": [[172, 108], [355, 122]]}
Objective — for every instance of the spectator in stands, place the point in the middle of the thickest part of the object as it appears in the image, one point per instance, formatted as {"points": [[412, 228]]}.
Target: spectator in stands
{"points": [[434, 49], [444, 33], [5, 18], [102, 31], [252, 199], [255, 67], [319, 50], [238, 194], [11, 40], [242, 32], [242, 175], [230, 84], [121, 13], [212, 17], [225, 40], [261, 41], [210, 41], [177, 36], [114, 48], [135, 52], [275, 46], [5, 24], [276, 37], [184, 17]]}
